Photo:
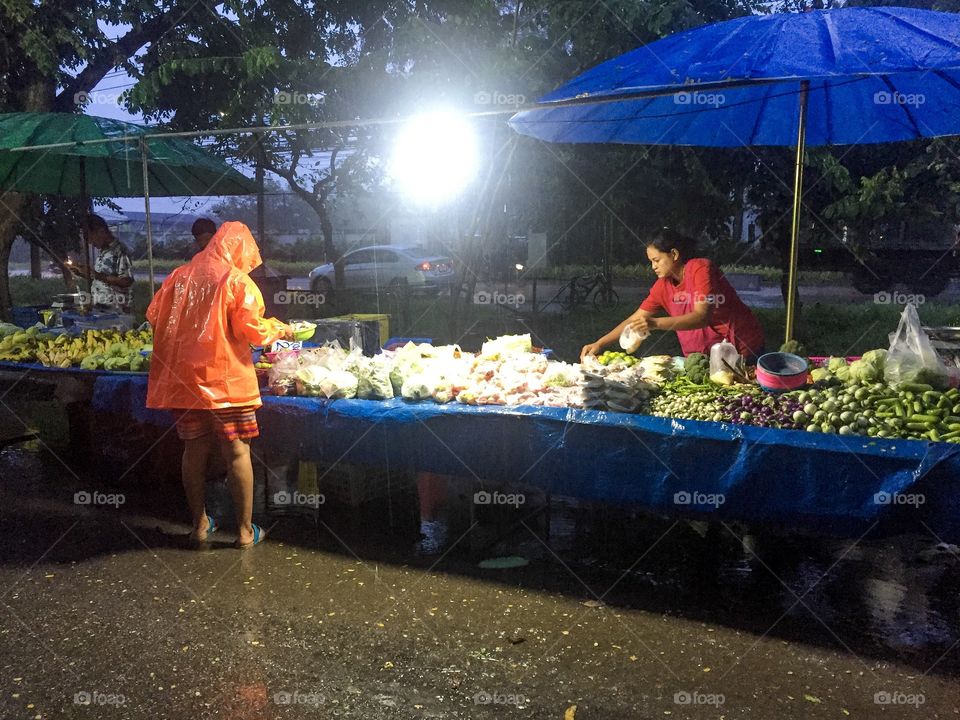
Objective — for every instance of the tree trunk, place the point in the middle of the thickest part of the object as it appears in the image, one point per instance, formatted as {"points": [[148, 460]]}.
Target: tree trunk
{"points": [[36, 271], [36, 95], [12, 208]]}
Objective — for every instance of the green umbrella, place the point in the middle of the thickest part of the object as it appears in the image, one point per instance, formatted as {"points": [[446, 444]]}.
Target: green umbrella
{"points": [[84, 155], [106, 169]]}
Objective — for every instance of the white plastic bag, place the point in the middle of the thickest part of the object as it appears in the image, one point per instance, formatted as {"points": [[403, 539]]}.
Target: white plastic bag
{"points": [[911, 357], [630, 338]]}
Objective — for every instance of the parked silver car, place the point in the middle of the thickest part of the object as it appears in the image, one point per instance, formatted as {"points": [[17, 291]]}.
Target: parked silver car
{"points": [[385, 266]]}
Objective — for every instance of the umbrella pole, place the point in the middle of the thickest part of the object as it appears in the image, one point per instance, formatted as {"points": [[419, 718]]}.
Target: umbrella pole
{"points": [[146, 210], [797, 197], [84, 202]]}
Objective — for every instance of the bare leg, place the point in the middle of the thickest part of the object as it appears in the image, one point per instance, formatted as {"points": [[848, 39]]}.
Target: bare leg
{"points": [[193, 470], [236, 454]]}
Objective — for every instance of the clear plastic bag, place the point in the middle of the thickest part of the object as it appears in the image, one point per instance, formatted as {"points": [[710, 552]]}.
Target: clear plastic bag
{"points": [[724, 360], [911, 358], [281, 377]]}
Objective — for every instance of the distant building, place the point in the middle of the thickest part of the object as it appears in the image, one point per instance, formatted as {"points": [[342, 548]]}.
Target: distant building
{"points": [[165, 227]]}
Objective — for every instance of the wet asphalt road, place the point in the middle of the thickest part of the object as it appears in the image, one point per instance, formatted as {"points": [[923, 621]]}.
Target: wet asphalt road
{"points": [[108, 606]]}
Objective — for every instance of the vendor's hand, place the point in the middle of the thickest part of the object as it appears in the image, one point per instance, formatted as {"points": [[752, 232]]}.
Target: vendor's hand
{"points": [[591, 349], [80, 270], [642, 325], [288, 332]]}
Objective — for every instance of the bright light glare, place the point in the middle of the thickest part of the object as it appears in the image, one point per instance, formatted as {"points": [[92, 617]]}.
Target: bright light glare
{"points": [[435, 157]]}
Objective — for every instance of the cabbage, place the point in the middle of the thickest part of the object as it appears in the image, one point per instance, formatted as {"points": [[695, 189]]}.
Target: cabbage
{"points": [[875, 357], [835, 363], [820, 374], [869, 368]]}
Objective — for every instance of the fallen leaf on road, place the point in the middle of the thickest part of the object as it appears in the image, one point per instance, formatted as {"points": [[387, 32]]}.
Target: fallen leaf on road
{"points": [[571, 713]]}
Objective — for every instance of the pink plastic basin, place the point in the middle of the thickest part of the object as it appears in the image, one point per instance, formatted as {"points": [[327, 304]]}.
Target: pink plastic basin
{"points": [[779, 372]]}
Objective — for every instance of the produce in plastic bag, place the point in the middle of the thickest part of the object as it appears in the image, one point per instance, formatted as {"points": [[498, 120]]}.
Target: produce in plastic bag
{"points": [[373, 378], [724, 358], [911, 358], [631, 338], [338, 384], [283, 371], [506, 346], [308, 379], [417, 387]]}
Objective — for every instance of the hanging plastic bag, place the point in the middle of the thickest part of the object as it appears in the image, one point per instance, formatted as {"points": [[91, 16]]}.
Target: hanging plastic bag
{"points": [[630, 339], [724, 361], [911, 358]]}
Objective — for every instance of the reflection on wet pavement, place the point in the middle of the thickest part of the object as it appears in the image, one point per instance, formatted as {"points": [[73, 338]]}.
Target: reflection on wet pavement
{"points": [[107, 613]]}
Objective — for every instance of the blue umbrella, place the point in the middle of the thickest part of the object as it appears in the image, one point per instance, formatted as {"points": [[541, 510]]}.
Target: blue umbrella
{"points": [[825, 77]]}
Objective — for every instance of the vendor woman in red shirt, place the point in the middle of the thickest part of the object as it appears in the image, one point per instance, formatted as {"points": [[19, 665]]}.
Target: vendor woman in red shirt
{"points": [[700, 304]]}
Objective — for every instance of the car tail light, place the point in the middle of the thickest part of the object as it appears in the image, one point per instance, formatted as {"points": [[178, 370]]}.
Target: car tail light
{"points": [[425, 266]]}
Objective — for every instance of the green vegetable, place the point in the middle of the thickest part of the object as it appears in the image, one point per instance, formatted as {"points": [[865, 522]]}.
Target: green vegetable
{"points": [[820, 374], [835, 363]]}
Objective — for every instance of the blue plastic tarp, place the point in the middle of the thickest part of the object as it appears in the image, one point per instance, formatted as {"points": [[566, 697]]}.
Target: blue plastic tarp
{"points": [[829, 483], [842, 485], [876, 75]]}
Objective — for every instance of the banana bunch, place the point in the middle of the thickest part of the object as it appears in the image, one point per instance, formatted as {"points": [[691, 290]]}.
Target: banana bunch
{"points": [[62, 351], [22, 345], [94, 349]]}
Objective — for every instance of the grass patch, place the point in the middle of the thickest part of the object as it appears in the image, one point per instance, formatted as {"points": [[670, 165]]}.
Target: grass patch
{"points": [[291, 268], [639, 271], [769, 275], [825, 329]]}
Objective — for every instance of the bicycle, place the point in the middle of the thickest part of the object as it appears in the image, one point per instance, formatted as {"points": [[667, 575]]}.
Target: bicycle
{"points": [[579, 290]]}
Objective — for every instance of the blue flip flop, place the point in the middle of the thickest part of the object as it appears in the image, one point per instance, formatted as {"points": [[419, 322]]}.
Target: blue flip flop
{"points": [[212, 527], [259, 535]]}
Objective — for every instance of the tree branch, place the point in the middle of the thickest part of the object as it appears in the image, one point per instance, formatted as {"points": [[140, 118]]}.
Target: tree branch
{"points": [[116, 54]]}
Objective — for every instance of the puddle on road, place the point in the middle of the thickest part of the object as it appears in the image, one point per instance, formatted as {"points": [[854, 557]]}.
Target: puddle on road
{"points": [[895, 598]]}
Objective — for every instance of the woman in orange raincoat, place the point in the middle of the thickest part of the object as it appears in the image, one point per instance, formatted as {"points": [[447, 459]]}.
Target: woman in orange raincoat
{"points": [[205, 317]]}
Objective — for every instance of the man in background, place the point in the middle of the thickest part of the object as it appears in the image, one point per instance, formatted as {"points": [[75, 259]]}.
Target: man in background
{"points": [[203, 229], [112, 274]]}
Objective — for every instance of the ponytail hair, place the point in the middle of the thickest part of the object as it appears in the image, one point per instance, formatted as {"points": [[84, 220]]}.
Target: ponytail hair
{"points": [[668, 240]]}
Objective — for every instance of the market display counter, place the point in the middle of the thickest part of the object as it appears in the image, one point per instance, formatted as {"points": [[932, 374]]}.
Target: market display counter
{"points": [[713, 471]]}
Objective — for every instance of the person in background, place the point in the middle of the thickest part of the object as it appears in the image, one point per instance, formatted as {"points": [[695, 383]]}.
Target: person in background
{"points": [[112, 274], [205, 317], [698, 303], [202, 230]]}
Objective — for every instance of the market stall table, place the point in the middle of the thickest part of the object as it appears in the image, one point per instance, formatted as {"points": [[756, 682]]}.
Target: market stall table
{"points": [[842, 485], [710, 471]]}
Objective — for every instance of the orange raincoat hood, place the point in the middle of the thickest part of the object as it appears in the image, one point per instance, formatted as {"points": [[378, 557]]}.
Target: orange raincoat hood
{"points": [[205, 316]]}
